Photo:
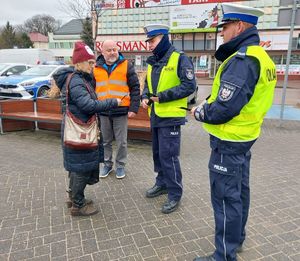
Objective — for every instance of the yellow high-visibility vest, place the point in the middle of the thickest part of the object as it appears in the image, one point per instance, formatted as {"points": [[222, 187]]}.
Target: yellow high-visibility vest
{"points": [[247, 125], [168, 79]]}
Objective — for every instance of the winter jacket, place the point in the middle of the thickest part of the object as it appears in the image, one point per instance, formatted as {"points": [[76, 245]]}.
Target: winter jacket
{"points": [[83, 105]]}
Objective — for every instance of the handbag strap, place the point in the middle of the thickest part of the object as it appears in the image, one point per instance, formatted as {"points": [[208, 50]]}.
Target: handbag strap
{"points": [[68, 88]]}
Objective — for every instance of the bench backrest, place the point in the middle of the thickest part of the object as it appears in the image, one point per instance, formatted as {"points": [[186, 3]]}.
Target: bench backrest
{"points": [[16, 106], [49, 105]]}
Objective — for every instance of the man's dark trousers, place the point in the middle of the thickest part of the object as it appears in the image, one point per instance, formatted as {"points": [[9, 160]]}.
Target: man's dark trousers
{"points": [[230, 197], [166, 150]]}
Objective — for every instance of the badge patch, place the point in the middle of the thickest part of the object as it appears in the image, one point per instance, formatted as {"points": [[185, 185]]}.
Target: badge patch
{"points": [[189, 74], [226, 92]]}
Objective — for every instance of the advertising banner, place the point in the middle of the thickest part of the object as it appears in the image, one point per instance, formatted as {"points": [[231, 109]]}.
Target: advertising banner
{"points": [[194, 18], [149, 3], [121, 4]]}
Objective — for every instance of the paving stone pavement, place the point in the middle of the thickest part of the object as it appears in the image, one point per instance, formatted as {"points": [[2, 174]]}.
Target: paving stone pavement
{"points": [[35, 223]]}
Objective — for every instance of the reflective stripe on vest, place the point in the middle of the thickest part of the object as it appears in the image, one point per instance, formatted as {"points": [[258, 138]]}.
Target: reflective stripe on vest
{"points": [[114, 85], [167, 80], [246, 126]]}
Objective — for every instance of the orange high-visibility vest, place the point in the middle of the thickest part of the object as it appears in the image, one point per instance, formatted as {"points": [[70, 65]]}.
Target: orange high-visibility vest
{"points": [[113, 85]]}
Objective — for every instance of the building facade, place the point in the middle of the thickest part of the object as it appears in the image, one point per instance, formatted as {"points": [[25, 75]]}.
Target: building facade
{"points": [[39, 41], [197, 38], [61, 42]]}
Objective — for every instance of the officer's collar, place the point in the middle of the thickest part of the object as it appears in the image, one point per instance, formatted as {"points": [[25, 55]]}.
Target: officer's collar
{"points": [[164, 60], [248, 37]]}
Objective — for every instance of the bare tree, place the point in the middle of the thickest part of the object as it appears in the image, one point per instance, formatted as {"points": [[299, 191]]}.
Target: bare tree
{"points": [[41, 24], [81, 9], [78, 9]]}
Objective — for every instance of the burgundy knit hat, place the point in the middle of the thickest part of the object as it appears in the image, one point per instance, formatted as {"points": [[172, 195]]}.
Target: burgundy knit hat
{"points": [[82, 53]]}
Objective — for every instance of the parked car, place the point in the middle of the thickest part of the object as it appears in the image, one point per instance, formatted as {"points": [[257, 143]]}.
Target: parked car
{"points": [[7, 69], [34, 82], [53, 63]]}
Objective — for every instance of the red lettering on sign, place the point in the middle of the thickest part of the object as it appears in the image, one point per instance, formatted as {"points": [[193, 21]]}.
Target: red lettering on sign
{"points": [[119, 44], [99, 46], [143, 46], [127, 46]]}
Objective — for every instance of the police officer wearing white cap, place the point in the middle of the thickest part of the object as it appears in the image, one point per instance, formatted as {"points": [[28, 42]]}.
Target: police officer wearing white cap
{"points": [[170, 80], [242, 93]]}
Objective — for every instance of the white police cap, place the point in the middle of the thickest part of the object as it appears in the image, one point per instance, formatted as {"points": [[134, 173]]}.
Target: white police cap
{"points": [[152, 30], [235, 12]]}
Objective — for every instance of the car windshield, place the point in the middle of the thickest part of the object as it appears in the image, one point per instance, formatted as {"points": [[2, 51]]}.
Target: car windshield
{"points": [[2, 66], [39, 71]]}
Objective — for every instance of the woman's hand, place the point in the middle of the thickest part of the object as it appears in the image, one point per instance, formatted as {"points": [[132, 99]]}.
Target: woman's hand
{"points": [[119, 101]]}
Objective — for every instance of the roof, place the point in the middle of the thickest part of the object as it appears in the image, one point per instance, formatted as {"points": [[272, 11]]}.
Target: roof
{"points": [[72, 27], [37, 37]]}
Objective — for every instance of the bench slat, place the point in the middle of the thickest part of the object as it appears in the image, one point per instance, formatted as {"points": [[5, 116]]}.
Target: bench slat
{"points": [[49, 113], [32, 116]]}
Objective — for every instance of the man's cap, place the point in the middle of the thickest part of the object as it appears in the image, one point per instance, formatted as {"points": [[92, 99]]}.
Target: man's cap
{"points": [[82, 53], [152, 30], [235, 12]]}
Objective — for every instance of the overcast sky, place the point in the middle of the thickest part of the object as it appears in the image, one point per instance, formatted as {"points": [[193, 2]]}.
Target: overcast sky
{"points": [[17, 11]]}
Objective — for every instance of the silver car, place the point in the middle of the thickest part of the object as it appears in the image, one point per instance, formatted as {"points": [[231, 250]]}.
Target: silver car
{"points": [[7, 69]]}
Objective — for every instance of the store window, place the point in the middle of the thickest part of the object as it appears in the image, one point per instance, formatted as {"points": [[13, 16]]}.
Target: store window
{"points": [[210, 44], [199, 45], [177, 41], [199, 41], [188, 42]]}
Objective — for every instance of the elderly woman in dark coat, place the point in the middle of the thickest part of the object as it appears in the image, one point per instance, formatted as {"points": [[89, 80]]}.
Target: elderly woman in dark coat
{"points": [[83, 165]]}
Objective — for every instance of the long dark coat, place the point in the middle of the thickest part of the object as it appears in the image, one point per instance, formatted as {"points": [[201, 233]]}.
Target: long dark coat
{"points": [[83, 105]]}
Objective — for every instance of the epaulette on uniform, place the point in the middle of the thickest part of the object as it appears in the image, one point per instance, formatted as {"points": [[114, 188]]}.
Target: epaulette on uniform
{"points": [[241, 53]]}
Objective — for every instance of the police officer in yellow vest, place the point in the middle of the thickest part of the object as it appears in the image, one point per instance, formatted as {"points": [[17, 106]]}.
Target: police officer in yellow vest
{"points": [[242, 93], [170, 79]]}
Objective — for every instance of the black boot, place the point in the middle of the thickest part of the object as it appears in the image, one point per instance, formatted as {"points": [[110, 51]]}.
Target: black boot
{"points": [[69, 200], [155, 191], [170, 206]]}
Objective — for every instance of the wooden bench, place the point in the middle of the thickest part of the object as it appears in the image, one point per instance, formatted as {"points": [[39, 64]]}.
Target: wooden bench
{"points": [[139, 126], [29, 114], [47, 114]]}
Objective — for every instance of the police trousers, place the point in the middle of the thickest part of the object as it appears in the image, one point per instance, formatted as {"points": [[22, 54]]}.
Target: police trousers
{"points": [[230, 197], [166, 151]]}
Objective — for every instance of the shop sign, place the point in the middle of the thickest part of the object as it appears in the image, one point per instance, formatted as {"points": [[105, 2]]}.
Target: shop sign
{"points": [[146, 3], [127, 46], [120, 4]]}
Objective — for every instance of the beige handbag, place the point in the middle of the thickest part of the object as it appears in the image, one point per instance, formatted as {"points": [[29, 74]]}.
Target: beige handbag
{"points": [[78, 134]]}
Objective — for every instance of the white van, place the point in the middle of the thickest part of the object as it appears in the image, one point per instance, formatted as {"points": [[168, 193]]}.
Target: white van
{"points": [[27, 56]]}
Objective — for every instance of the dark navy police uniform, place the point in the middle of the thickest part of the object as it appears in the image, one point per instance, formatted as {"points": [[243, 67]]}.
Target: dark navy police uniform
{"points": [[242, 94], [166, 131], [229, 163]]}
